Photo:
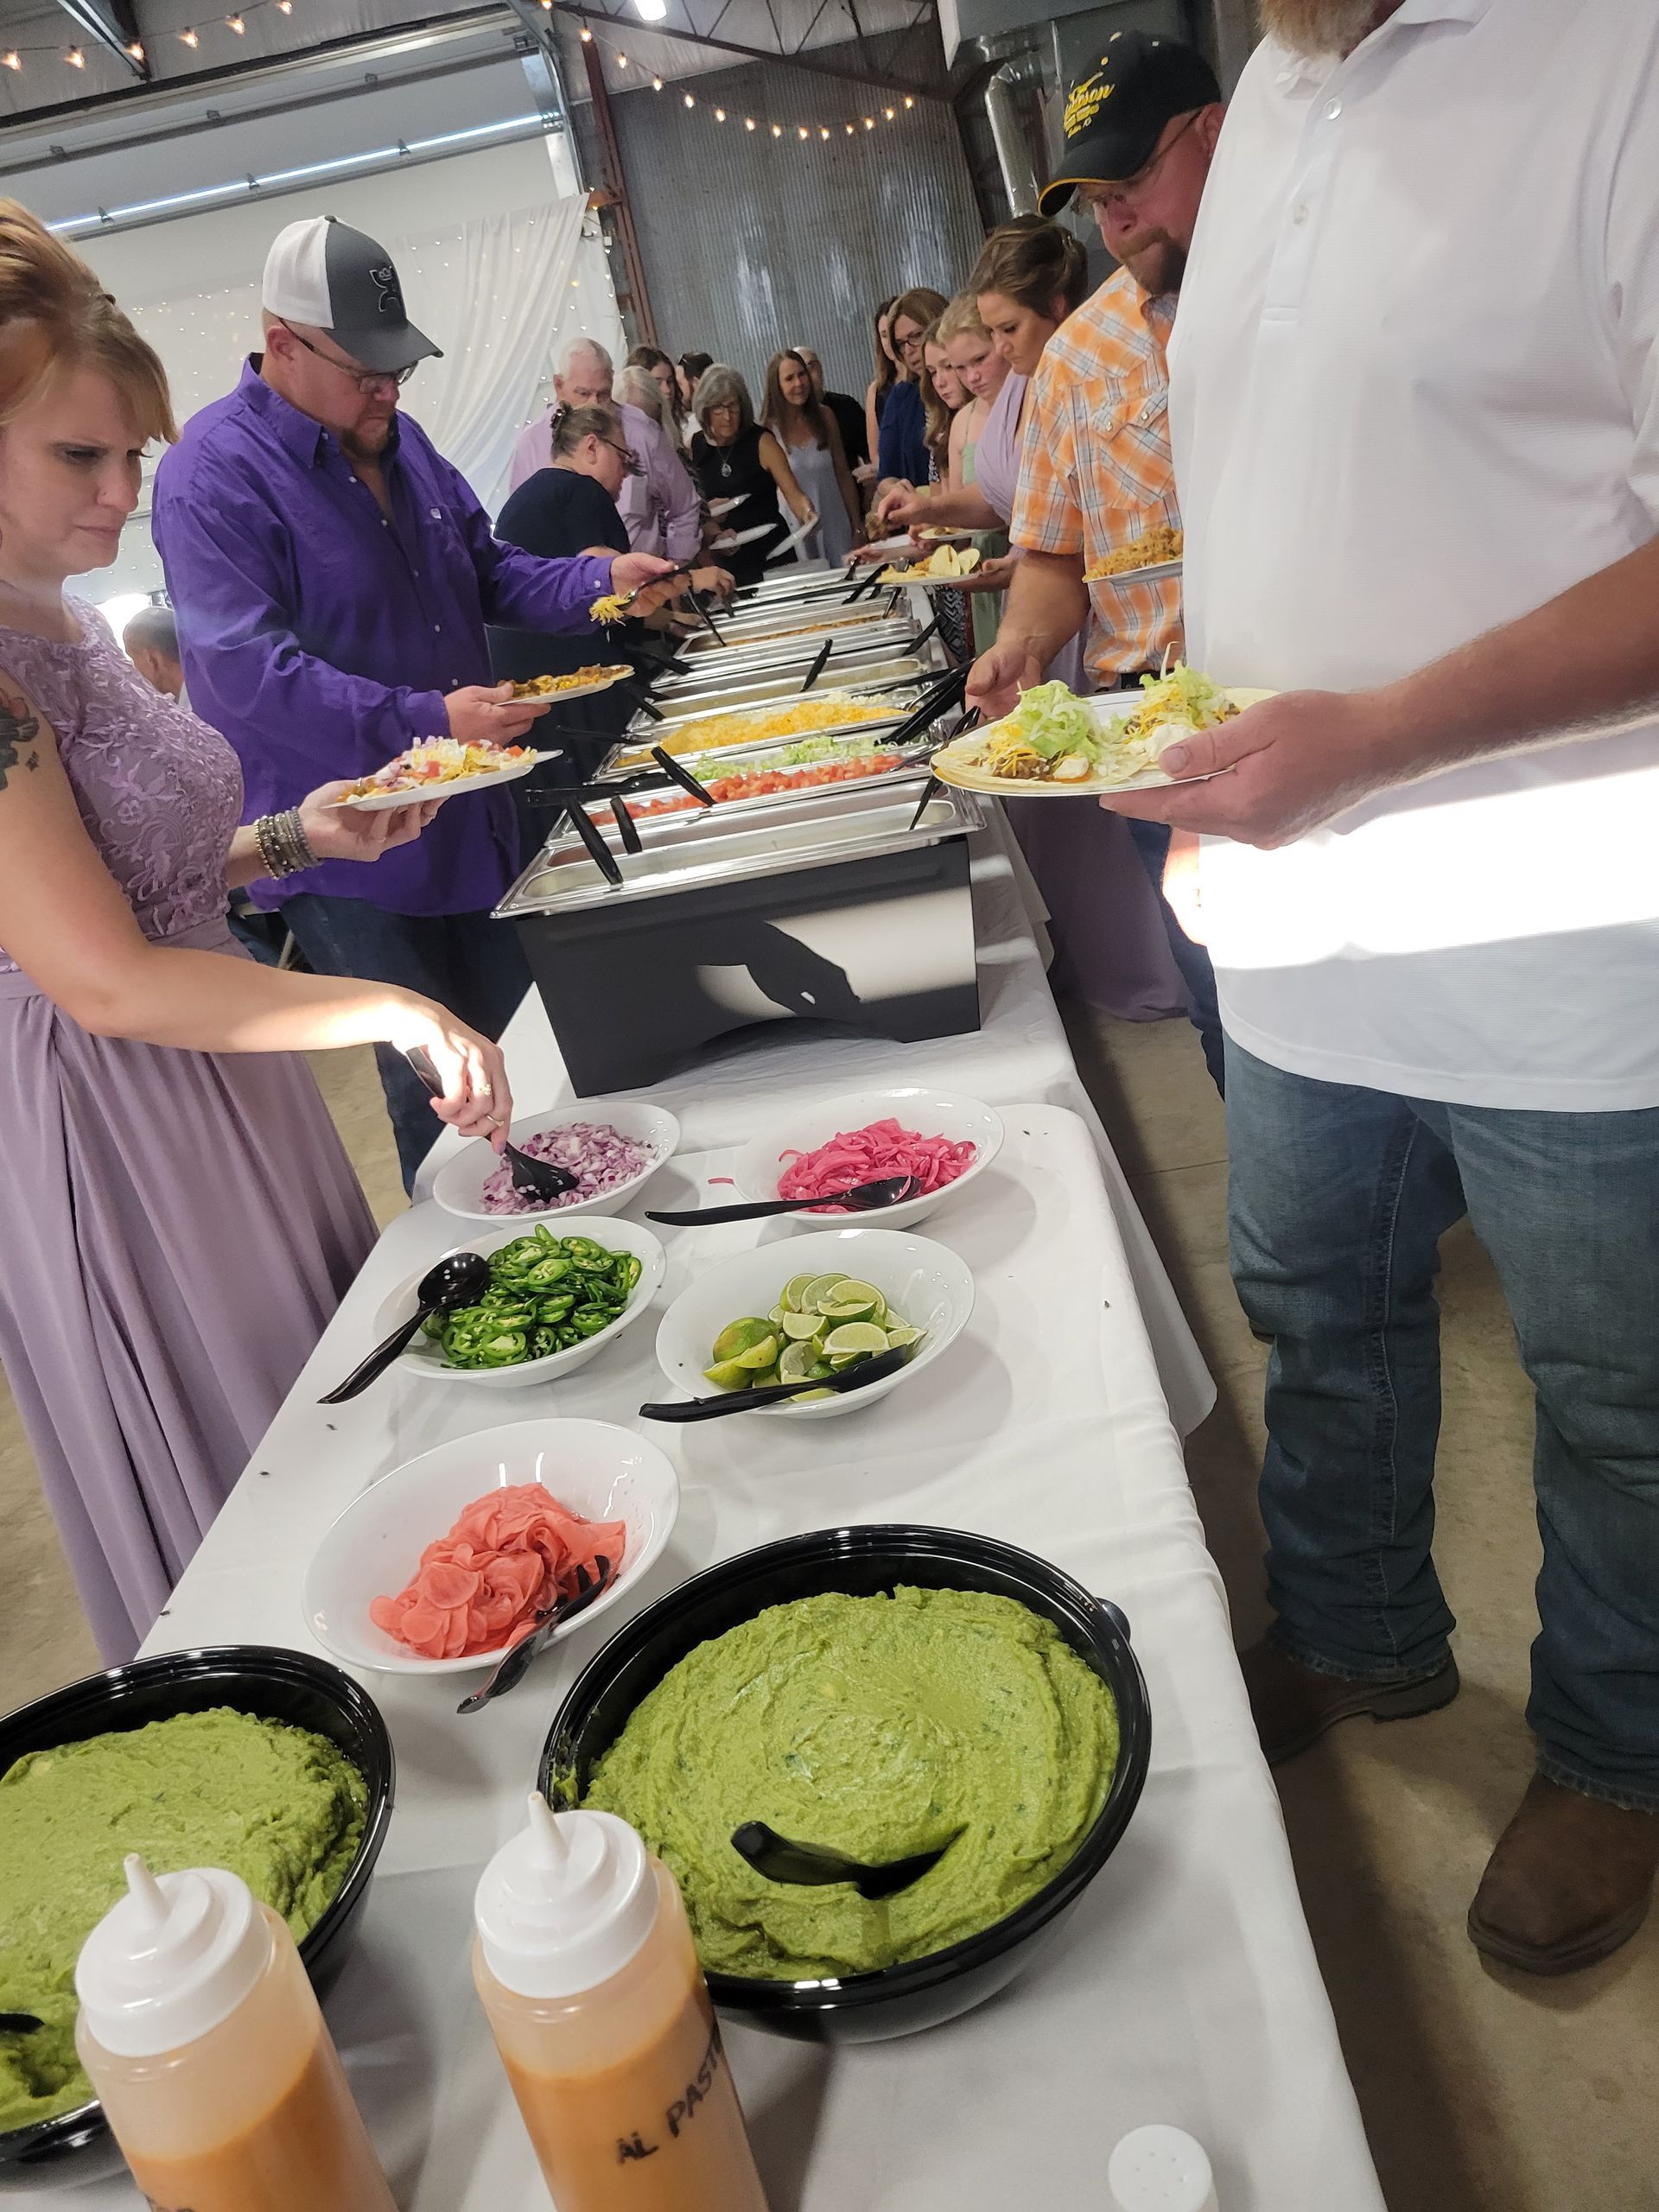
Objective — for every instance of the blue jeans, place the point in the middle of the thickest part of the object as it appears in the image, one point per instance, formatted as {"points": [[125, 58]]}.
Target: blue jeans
{"points": [[1338, 1197], [1151, 841], [474, 966]]}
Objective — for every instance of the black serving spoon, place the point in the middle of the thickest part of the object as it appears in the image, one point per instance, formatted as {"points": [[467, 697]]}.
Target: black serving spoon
{"points": [[818, 665], [535, 1178], [511, 1666], [461, 1280], [18, 2023], [742, 1401], [864, 1198], [814, 1866]]}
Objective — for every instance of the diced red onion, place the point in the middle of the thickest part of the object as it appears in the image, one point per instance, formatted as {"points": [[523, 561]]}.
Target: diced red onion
{"points": [[601, 1158]]}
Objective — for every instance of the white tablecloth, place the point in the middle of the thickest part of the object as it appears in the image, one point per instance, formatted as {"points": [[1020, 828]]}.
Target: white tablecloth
{"points": [[1019, 1055], [1184, 1989]]}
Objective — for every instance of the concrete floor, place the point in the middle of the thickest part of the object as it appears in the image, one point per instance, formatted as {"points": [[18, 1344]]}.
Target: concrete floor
{"points": [[1483, 2091]]}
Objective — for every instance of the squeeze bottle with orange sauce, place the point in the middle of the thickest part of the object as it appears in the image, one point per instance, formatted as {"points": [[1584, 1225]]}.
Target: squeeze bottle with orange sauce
{"points": [[206, 2043], [586, 1966]]}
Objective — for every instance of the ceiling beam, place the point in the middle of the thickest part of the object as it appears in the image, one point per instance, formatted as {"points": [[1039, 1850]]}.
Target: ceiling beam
{"points": [[887, 82], [112, 25]]}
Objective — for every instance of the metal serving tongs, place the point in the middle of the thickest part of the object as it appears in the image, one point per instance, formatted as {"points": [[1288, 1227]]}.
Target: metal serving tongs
{"points": [[933, 787]]}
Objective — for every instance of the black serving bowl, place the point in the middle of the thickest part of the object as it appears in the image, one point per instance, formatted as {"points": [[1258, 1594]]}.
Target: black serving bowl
{"points": [[270, 1683], [866, 1563]]}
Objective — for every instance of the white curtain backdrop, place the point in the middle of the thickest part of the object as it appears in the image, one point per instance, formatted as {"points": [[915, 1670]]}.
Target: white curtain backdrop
{"points": [[500, 293]]}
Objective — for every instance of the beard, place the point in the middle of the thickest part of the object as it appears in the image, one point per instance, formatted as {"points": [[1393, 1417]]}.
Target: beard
{"points": [[1155, 260], [1319, 26], [368, 441]]}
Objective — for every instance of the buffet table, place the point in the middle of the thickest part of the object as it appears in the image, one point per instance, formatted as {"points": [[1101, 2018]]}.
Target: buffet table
{"points": [[1019, 1053], [1184, 1989]]}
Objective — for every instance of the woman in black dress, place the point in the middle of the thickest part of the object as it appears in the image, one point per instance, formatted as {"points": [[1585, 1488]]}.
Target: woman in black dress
{"points": [[733, 458]]}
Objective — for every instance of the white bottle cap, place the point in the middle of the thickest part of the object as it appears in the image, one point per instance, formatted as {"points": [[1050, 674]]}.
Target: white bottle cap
{"points": [[566, 1904], [170, 1959], [1160, 2170]]}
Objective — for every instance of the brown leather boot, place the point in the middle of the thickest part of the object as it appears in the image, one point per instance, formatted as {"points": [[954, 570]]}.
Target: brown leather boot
{"points": [[1292, 1705], [1571, 1880]]}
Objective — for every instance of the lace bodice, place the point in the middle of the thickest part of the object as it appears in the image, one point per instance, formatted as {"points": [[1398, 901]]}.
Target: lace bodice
{"points": [[159, 791]]}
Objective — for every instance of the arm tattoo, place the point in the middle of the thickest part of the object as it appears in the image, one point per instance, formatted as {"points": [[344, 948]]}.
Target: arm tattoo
{"points": [[18, 731]]}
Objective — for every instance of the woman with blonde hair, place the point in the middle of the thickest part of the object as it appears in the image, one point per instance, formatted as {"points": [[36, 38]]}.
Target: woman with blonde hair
{"points": [[177, 1215], [639, 387], [811, 437]]}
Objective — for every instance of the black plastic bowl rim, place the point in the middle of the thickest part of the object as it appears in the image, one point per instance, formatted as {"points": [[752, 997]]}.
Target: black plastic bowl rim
{"points": [[1095, 1629], [225, 1672]]}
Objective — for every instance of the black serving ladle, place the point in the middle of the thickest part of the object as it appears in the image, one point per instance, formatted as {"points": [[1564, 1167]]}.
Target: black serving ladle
{"points": [[534, 1178], [741, 1402], [512, 1665], [814, 1866], [18, 2023], [461, 1280], [864, 1198]]}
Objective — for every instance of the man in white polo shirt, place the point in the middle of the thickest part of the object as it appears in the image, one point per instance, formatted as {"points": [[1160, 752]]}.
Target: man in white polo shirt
{"points": [[1414, 398]]}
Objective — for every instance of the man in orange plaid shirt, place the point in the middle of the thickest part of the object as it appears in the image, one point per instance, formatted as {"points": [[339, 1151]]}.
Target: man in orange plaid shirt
{"points": [[1141, 131]]}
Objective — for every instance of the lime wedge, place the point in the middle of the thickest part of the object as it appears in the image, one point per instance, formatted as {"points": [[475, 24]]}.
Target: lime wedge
{"points": [[820, 1286], [851, 1296], [796, 1364], [809, 1397], [801, 1328], [737, 1337], [900, 1332], [775, 1317], [795, 1290], [767, 1378], [728, 1374], [855, 1337], [763, 1354]]}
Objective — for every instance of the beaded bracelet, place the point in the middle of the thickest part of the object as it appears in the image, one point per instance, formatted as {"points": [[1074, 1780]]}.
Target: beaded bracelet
{"points": [[283, 846]]}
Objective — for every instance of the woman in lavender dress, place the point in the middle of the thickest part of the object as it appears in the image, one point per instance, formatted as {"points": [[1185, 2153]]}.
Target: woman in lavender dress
{"points": [[177, 1218]]}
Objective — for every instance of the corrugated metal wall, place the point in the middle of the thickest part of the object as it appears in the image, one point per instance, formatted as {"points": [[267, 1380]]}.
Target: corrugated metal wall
{"points": [[752, 242]]}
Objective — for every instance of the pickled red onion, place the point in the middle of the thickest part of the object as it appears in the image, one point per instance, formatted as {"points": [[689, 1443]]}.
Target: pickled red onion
{"points": [[869, 1155]]}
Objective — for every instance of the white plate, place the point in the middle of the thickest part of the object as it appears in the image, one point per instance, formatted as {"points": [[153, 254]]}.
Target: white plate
{"points": [[577, 691], [653, 1127], [931, 1113], [423, 794], [603, 1472], [718, 507], [930, 584], [734, 539], [1155, 574], [886, 547], [425, 1357], [929, 1285], [952, 763]]}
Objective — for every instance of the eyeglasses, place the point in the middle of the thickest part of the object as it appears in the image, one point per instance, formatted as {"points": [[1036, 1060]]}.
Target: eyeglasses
{"points": [[914, 341], [1104, 196], [368, 381], [631, 461]]}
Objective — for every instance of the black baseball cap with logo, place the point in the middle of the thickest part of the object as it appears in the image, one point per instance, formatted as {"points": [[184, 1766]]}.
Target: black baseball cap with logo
{"points": [[325, 274], [1116, 110]]}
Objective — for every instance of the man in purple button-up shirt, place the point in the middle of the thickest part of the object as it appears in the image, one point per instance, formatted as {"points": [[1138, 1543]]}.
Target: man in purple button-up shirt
{"points": [[332, 575]]}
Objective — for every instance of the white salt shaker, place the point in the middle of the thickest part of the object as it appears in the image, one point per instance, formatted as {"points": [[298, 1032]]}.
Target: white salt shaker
{"points": [[1160, 2170]]}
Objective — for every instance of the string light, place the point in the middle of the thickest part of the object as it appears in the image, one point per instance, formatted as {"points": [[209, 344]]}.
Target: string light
{"points": [[287, 6], [13, 61], [586, 35], [776, 130], [75, 58], [748, 122], [656, 84], [690, 100], [235, 23], [908, 101], [889, 112], [720, 115], [849, 131], [805, 132], [823, 130], [869, 123], [621, 61]]}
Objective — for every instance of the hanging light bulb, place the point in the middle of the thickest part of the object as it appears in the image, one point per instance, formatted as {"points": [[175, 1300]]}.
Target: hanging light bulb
{"points": [[586, 35], [720, 115], [889, 112], [748, 122], [652, 10], [776, 130], [823, 130], [908, 101], [621, 61], [656, 84], [690, 100], [75, 58], [287, 6], [869, 123], [12, 60], [849, 131], [805, 132], [137, 51], [236, 24], [190, 38]]}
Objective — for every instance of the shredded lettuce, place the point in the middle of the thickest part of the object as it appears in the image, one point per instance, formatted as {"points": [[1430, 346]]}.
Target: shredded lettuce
{"points": [[1053, 722], [1184, 696]]}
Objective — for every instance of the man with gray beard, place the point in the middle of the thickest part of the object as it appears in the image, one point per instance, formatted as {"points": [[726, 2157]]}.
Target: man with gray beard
{"points": [[1415, 409]]}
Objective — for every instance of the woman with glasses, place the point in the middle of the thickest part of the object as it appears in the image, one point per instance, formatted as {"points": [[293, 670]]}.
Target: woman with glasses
{"points": [[735, 458], [901, 453]]}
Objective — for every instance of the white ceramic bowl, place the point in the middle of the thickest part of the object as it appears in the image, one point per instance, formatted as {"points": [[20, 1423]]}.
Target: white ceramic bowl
{"points": [[652, 1128], [600, 1472], [928, 1284], [930, 1112], [425, 1357]]}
